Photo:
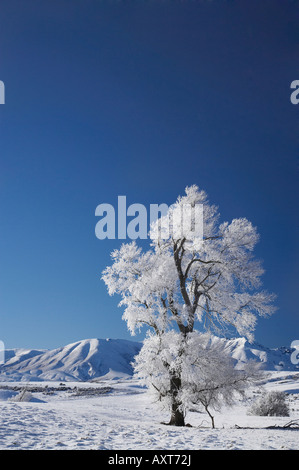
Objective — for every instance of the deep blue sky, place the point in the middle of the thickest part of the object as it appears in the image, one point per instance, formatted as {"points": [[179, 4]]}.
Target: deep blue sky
{"points": [[139, 98]]}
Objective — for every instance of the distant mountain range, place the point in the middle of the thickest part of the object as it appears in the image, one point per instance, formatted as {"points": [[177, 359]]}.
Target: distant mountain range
{"points": [[271, 358], [96, 359], [84, 360]]}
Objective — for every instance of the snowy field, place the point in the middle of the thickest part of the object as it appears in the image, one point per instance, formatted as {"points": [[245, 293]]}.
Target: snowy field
{"points": [[117, 415]]}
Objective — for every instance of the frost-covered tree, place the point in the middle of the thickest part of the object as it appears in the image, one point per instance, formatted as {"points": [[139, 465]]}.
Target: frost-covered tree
{"points": [[191, 275], [208, 377]]}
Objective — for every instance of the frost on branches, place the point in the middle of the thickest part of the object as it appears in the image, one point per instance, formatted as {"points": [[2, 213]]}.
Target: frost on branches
{"points": [[208, 379], [211, 282]]}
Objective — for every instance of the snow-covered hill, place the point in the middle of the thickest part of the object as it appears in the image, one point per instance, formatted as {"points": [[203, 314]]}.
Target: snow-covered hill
{"points": [[84, 360], [271, 358], [92, 359]]}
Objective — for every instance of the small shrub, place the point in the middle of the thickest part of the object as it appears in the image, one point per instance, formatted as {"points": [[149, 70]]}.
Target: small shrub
{"points": [[271, 404]]}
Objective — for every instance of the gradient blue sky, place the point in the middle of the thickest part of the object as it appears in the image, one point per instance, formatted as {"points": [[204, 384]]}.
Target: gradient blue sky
{"points": [[139, 98]]}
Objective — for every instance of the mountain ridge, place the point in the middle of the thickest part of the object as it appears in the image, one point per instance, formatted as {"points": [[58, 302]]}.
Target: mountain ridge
{"points": [[97, 359]]}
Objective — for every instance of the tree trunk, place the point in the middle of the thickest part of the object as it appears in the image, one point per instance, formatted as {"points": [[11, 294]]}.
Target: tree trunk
{"points": [[177, 415], [212, 417]]}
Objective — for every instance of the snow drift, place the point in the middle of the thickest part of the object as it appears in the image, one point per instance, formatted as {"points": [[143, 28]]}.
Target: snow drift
{"points": [[94, 359]]}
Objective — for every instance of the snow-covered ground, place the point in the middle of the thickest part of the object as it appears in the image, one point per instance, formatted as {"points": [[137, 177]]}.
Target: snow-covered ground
{"points": [[123, 418]]}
